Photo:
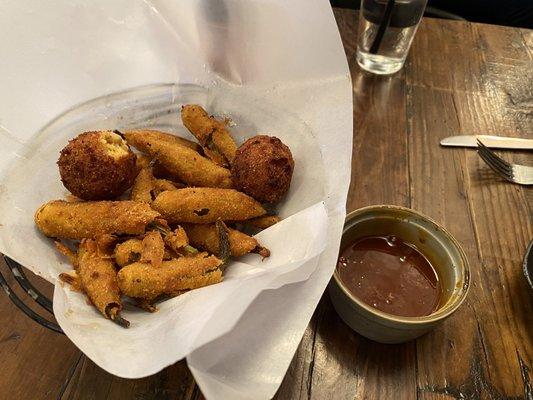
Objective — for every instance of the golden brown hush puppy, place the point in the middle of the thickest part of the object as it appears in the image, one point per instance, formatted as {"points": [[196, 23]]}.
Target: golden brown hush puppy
{"points": [[97, 166], [262, 168]]}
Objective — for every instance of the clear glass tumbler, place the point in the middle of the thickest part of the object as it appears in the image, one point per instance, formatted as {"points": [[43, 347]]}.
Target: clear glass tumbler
{"points": [[386, 30]]}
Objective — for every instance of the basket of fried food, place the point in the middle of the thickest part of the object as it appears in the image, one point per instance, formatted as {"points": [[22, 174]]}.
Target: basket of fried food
{"points": [[152, 215]]}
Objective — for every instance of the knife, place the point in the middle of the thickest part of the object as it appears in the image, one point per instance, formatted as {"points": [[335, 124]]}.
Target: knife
{"points": [[495, 142]]}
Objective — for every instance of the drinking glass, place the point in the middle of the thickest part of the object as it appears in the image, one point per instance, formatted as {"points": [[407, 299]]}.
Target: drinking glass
{"points": [[386, 30]]}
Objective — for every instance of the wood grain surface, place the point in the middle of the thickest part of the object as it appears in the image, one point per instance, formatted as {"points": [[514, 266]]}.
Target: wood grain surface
{"points": [[460, 78]]}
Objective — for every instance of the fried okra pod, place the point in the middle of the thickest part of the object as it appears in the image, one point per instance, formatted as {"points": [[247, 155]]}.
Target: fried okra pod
{"points": [[183, 163], [206, 237], [143, 186], [146, 187], [80, 220], [142, 281], [162, 185], [143, 161], [211, 133], [177, 240], [263, 222], [128, 252], [99, 281], [206, 205], [153, 250], [132, 251], [166, 137]]}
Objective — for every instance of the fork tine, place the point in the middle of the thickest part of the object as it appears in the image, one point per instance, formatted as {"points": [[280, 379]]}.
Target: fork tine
{"points": [[494, 163], [504, 164], [494, 166]]}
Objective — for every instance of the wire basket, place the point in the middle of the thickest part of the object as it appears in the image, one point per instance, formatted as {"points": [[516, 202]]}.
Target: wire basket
{"points": [[18, 273]]}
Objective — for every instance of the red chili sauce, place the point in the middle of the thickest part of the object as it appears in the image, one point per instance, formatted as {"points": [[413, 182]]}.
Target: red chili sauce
{"points": [[390, 275]]}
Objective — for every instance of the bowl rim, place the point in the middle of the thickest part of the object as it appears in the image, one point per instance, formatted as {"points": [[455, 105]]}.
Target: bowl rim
{"points": [[433, 317], [525, 269]]}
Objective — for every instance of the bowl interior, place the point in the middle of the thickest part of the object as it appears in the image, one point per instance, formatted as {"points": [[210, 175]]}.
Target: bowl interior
{"points": [[439, 247]]}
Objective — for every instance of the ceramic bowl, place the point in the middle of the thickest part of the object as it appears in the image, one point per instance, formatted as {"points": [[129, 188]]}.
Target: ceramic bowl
{"points": [[433, 241]]}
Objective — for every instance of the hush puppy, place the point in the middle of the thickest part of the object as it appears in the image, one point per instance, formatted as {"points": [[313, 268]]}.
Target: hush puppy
{"points": [[263, 168], [97, 166]]}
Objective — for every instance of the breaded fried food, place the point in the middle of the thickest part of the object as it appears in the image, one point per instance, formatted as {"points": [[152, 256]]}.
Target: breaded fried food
{"points": [[68, 253], [142, 281], [143, 161], [128, 252], [206, 237], [61, 219], [162, 185], [99, 281], [183, 163], [131, 251], [143, 186], [263, 168], [146, 187], [263, 222], [212, 134], [153, 250], [164, 136], [97, 166], [206, 205], [177, 239]]}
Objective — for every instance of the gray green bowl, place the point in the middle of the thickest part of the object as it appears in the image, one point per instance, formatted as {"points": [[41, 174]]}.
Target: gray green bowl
{"points": [[440, 248]]}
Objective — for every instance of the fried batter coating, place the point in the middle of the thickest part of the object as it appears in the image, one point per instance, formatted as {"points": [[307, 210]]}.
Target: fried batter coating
{"points": [[216, 157], [177, 240], [143, 161], [183, 163], [206, 237], [128, 252], [264, 222], [61, 219], [263, 168], [146, 187], [105, 244], [67, 252], [73, 279], [162, 185], [211, 133], [131, 251], [153, 250], [206, 205], [141, 280], [164, 136], [97, 166], [143, 186], [99, 281]]}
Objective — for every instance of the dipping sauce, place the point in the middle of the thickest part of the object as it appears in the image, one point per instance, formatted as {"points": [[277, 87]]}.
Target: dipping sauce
{"points": [[390, 275]]}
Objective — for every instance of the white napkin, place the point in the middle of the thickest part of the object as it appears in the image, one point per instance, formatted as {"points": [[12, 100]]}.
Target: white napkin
{"points": [[276, 68]]}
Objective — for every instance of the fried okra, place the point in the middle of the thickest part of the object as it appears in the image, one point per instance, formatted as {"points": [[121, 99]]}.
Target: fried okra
{"points": [[184, 164], [143, 281], [263, 222], [206, 205], [206, 237], [99, 281], [211, 133], [80, 220]]}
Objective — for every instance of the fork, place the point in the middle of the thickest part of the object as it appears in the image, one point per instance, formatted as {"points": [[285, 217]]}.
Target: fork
{"points": [[515, 173]]}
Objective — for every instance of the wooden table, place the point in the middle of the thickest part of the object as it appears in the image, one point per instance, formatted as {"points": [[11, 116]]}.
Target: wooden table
{"points": [[459, 78]]}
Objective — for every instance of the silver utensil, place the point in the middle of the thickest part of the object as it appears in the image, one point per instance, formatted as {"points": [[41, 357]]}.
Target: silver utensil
{"points": [[495, 142], [515, 173], [528, 264]]}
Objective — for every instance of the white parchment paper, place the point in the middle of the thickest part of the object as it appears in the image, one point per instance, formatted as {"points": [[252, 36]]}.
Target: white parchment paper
{"points": [[276, 68]]}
